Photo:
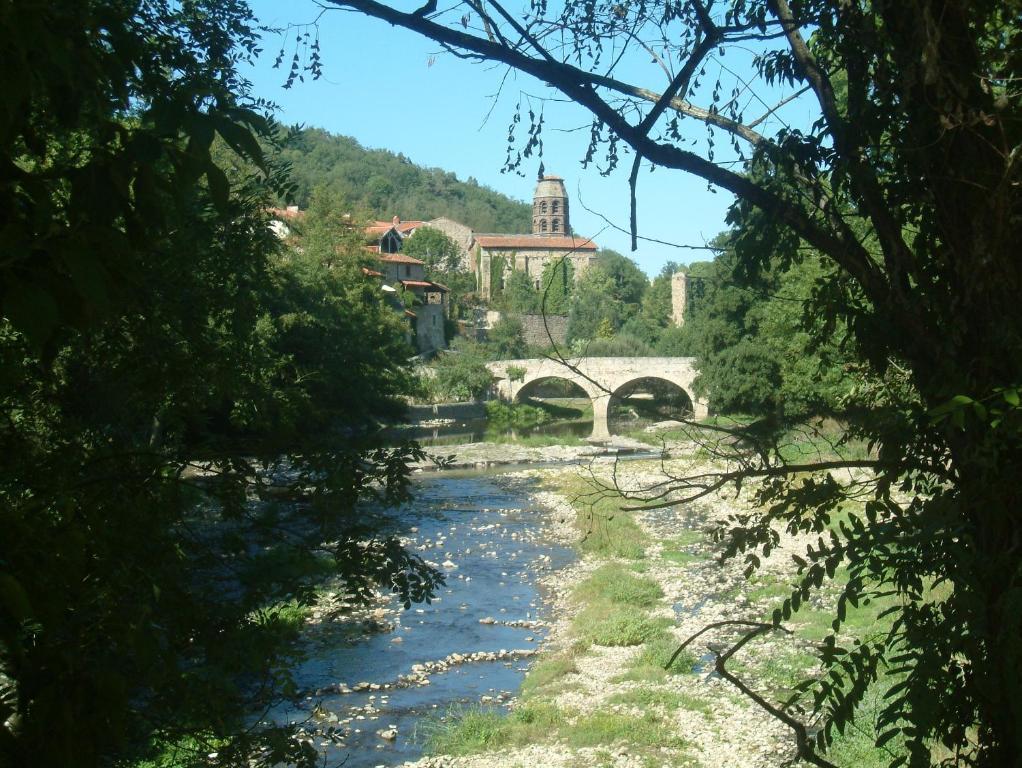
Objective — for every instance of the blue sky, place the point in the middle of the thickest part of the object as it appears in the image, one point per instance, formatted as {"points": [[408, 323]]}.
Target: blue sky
{"points": [[390, 89]]}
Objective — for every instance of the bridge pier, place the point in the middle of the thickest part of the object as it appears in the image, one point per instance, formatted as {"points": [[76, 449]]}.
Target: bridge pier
{"points": [[601, 409]]}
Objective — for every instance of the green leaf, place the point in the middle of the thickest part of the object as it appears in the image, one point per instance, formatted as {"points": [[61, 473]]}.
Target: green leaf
{"points": [[13, 598], [32, 311], [219, 188], [240, 139]]}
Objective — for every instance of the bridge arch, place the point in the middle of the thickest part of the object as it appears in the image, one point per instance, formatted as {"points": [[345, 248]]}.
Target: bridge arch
{"points": [[666, 399], [599, 378], [535, 388]]}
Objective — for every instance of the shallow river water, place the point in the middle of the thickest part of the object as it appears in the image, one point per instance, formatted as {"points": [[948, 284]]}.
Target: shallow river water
{"points": [[491, 539]]}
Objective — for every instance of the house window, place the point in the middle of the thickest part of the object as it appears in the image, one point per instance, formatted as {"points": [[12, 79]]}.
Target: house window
{"points": [[555, 225], [408, 270], [542, 207], [542, 226], [555, 206]]}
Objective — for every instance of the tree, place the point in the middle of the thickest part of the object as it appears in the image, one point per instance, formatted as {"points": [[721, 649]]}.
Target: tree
{"points": [[519, 296], [629, 281], [461, 373], [436, 249], [165, 363], [593, 303], [907, 184], [507, 339]]}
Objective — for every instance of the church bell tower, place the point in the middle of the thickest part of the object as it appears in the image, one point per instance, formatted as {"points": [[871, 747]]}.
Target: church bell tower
{"points": [[550, 208]]}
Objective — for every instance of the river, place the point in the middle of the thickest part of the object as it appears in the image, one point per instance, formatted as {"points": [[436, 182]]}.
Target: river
{"points": [[487, 536]]}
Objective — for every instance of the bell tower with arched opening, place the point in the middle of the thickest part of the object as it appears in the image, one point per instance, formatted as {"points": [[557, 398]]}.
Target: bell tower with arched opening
{"points": [[550, 208]]}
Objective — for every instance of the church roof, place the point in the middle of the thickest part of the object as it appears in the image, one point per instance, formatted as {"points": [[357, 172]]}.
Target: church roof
{"points": [[537, 242]]}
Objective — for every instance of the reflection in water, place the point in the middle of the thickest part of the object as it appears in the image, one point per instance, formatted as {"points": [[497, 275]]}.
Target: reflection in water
{"points": [[478, 430]]}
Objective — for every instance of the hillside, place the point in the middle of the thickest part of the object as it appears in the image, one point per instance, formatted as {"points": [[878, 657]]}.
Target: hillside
{"points": [[383, 184]]}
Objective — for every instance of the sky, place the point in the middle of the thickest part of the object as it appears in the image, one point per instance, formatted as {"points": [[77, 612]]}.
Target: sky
{"points": [[391, 89]]}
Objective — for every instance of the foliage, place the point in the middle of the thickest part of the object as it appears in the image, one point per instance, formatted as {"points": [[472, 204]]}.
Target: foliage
{"points": [[498, 266], [555, 287], [169, 376], [743, 378], [502, 416], [744, 324], [905, 182], [593, 304], [440, 254], [520, 296], [378, 184], [507, 339], [622, 345], [461, 373]]}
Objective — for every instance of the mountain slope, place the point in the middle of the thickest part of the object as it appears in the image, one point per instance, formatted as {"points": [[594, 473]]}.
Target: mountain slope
{"points": [[382, 184]]}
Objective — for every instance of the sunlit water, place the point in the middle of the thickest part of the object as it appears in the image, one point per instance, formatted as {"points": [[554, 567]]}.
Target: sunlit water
{"points": [[492, 534]]}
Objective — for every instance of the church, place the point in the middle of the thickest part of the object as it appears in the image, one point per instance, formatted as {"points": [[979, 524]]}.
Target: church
{"points": [[493, 257]]}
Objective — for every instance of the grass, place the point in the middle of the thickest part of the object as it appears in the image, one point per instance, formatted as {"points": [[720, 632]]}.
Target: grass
{"points": [[649, 665], [601, 728], [651, 697], [545, 672], [607, 531], [615, 584], [609, 624], [470, 730]]}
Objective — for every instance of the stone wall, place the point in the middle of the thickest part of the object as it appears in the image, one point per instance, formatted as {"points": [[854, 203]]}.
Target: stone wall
{"points": [[536, 334]]}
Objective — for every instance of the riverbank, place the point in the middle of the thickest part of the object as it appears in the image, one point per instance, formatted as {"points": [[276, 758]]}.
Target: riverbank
{"points": [[598, 694]]}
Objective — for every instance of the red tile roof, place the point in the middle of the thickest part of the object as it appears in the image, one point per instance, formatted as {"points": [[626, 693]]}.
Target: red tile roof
{"points": [[537, 242], [371, 272], [381, 227], [425, 284], [286, 213], [399, 258]]}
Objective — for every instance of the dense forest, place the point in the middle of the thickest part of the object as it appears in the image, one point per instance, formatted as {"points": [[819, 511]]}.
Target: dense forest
{"points": [[381, 184]]}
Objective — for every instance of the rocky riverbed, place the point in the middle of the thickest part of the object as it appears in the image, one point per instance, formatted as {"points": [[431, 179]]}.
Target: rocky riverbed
{"points": [[448, 678]]}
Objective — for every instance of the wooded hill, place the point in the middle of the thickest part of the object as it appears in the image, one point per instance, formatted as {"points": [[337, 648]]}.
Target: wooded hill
{"points": [[382, 184]]}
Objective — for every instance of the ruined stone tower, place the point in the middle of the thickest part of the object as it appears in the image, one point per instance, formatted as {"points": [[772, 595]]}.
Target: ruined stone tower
{"points": [[550, 208], [679, 297]]}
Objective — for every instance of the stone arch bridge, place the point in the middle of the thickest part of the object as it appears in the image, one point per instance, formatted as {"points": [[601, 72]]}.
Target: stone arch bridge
{"points": [[600, 378]]}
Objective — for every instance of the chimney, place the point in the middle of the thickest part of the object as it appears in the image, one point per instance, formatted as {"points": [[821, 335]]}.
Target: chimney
{"points": [[396, 220]]}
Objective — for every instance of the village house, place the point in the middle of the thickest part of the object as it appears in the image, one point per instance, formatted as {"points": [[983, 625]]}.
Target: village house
{"points": [[399, 275], [429, 311]]}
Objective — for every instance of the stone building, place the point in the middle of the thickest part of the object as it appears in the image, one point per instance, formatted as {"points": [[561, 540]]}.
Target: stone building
{"points": [[496, 256]]}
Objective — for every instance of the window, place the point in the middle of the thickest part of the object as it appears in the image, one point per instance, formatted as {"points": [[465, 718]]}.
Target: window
{"points": [[542, 225], [555, 206], [555, 225], [542, 207], [408, 270]]}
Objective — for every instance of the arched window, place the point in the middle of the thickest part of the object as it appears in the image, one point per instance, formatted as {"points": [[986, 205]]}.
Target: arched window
{"points": [[555, 225], [555, 206], [542, 225], [542, 207]]}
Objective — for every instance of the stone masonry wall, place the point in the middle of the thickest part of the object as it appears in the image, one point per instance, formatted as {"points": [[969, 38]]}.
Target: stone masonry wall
{"points": [[536, 333]]}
